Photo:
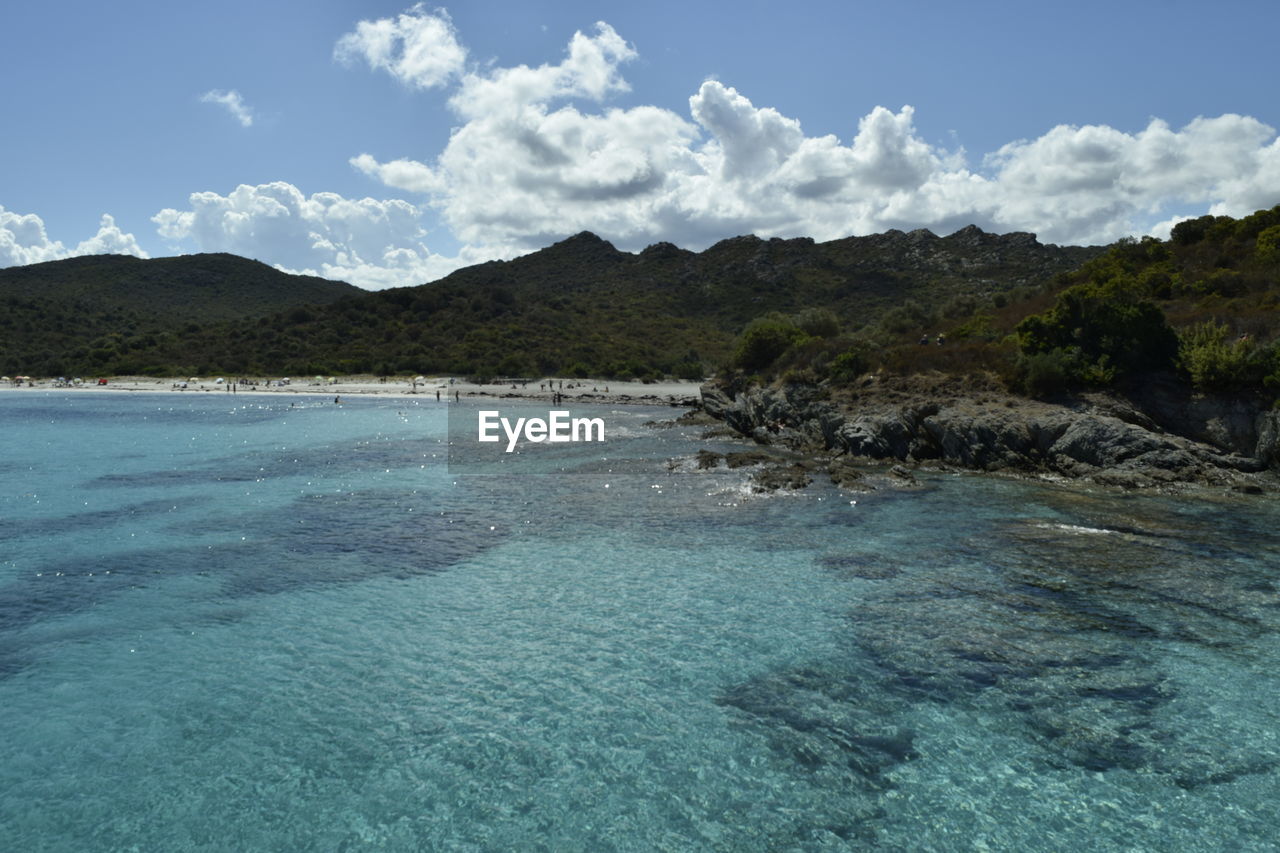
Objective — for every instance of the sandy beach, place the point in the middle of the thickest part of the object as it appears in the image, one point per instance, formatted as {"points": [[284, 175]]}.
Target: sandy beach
{"points": [[674, 393]]}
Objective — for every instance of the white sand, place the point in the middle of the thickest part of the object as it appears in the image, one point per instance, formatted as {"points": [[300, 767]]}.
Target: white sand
{"points": [[656, 393]]}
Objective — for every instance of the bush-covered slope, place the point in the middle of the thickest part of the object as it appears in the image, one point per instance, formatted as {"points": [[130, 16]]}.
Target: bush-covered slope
{"points": [[577, 307], [1203, 305], [109, 313]]}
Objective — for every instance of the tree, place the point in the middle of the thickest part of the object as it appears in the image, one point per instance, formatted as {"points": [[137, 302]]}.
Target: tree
{"points": [[764, 339], [1268, 245], [1109, 331]]}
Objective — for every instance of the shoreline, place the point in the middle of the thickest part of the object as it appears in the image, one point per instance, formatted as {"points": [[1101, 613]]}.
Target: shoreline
{"points": [[1160, 443], [676, 393]]}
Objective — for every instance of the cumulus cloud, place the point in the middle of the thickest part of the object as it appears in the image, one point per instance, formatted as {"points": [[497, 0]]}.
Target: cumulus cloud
{"points": [[23, 240], [233, 103], [590, 70], [368, 242], [1095, 183], [540, 155], [419, 47]]}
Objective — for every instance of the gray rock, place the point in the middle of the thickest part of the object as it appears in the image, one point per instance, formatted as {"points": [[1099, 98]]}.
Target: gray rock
{"points": [[773, 478], [1103, 439]]}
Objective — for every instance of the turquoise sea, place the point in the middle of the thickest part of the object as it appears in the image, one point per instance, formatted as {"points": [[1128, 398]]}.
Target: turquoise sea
{"points": [[232, 623]]}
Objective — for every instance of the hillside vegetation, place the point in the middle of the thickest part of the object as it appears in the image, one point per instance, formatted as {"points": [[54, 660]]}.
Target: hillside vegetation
{"points": [[1201, 306], [579, 307], [87, 315]]}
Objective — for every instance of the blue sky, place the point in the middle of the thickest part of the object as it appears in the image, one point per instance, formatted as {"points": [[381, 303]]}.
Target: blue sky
{"points": [[386, 143]]}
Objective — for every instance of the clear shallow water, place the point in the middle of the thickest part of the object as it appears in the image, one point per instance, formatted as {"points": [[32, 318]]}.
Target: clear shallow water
{"points": [[226, 624]]}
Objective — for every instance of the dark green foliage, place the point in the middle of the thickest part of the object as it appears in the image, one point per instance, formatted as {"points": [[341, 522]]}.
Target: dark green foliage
{"points": [[1043, 374], [818, 322], [980, 326], [579, 305], [1107, 326], [1268, 245], [208, 286], [1192, 231], [1215, 280], [763, 341], [911, 316], [849, 365]]}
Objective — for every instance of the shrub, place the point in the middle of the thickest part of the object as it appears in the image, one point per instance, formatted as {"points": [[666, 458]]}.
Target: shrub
{"points": [[1109, 327], [763, 340], [690, 370], [848, 365], [1222, 282], [1214, 363], [978, 327], [1268, 245], [907, 317], [1043, 374], [818, 322]]}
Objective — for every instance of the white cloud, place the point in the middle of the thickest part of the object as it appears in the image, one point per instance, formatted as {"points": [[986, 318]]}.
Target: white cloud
{"points": [[539, 155], [109, 240], [1095, 183], [368, 242], [419, 48], [233, 103], [23, 240], [401, 174], [590, 70]]}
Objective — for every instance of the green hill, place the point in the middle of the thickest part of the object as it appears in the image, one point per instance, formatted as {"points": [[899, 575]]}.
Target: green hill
{"points": [[206, 287], [82, 314], [1199, 309], [577, 307]]}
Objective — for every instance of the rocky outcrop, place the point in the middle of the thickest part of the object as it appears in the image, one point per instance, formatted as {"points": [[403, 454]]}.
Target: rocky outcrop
{"points": [[1098, 439]]}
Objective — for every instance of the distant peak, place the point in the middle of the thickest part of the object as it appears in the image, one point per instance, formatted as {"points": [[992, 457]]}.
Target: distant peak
{"points": [[583, 246], [972, 235], [585, 238], [663, 249], [740, 241]]}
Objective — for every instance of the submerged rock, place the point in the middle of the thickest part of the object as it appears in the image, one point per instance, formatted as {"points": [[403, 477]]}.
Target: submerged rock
{"points": [[858, 566], [772, 478]]}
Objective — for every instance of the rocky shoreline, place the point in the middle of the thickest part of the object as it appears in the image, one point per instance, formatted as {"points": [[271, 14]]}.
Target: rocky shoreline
{"points": [[1155, 437]]}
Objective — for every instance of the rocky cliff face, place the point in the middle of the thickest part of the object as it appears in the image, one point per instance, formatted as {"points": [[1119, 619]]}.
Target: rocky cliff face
{"points": [[1160, 439]]}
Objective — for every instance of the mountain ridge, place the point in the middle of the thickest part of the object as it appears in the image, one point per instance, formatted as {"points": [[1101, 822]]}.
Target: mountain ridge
{"points": [[579, 306], [216, 285]]}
